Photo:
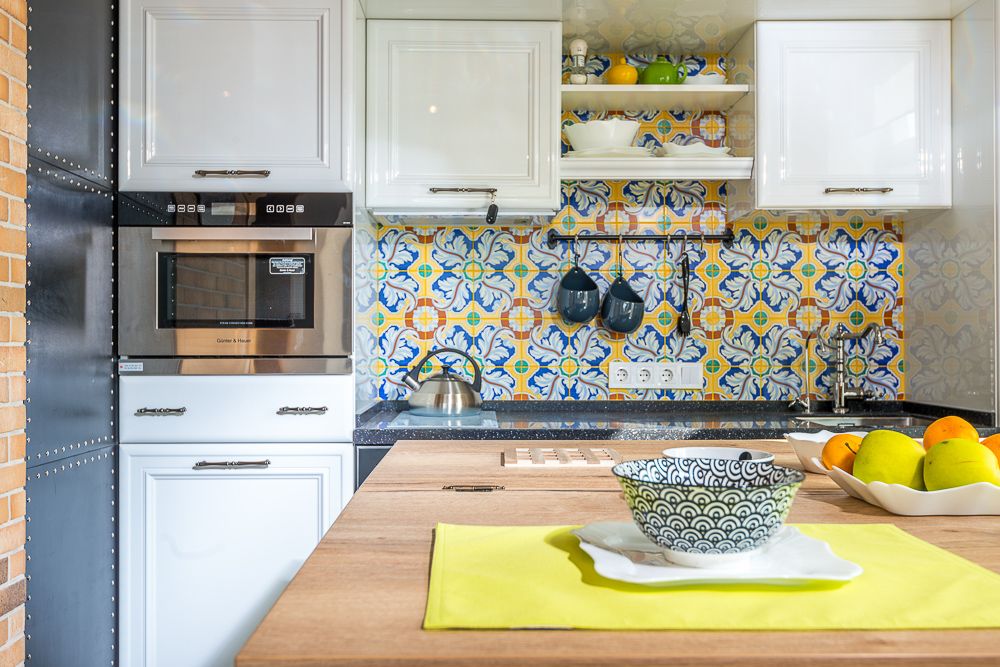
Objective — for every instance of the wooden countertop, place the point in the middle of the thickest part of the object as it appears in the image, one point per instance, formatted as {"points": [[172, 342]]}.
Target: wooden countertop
{"points": [[360, 598]]}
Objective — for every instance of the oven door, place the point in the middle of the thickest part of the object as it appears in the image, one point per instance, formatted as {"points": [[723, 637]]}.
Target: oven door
{"points": [[234, 292]]}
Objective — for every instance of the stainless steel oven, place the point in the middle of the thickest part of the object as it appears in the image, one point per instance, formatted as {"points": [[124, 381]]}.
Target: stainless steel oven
{"points": [[228, 275]]}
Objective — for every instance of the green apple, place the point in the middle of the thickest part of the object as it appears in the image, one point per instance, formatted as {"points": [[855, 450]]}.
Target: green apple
{"points": [[890, 457], [958, 462]]}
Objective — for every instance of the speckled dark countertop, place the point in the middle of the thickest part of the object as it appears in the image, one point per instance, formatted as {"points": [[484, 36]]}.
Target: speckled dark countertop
{"points": [[632, 420]]}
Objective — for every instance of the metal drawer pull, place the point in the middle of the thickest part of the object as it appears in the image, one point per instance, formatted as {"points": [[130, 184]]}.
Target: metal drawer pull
{"points": [[233, 173], [472, 488], [201, 465], [855, 191], [160, 412], [487, 191], [303, 411]]}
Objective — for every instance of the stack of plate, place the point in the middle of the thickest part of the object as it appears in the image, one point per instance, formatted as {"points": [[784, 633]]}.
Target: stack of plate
{"points": [[698, 149], [621, 151]]}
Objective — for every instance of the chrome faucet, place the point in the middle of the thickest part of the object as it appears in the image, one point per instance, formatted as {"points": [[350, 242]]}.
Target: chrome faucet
{"points": [[804, 401], [837, 345]]}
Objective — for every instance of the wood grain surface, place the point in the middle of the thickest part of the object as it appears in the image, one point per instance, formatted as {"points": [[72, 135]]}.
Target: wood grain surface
{"points": [[360, 598]]}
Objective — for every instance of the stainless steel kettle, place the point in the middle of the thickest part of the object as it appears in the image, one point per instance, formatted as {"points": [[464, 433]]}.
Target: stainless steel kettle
{"points": [[444, 394]]}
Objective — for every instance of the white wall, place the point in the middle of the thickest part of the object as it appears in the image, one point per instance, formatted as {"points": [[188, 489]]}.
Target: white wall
{"points": [[950, 258]]}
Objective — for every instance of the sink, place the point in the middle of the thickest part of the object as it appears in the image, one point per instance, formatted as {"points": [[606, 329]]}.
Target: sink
{"points": [[897, 421]]}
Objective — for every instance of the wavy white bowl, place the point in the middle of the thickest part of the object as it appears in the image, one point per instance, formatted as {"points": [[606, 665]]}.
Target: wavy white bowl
{"points": [[809, 448], [610, 133], [970, 500]]}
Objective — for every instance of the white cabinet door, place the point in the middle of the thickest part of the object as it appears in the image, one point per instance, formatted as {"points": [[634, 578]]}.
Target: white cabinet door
{"points": [[232, 85], [206, 551], [463, 104], [853, 104]]}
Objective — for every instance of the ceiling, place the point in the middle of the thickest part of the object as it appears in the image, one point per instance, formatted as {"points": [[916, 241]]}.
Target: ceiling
{"points": [[664, 26]]}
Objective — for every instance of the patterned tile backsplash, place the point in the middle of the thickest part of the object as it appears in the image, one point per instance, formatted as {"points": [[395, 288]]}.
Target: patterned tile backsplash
{"points": [[489, 291]]}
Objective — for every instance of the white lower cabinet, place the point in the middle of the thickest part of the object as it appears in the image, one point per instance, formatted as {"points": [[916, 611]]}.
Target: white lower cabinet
{"points": [[206, 549]]}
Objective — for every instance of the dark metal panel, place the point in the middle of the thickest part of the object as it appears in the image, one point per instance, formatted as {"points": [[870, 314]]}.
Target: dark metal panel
{"points": [[71, 112], [367, 459], [71, 608], [70, 365]]}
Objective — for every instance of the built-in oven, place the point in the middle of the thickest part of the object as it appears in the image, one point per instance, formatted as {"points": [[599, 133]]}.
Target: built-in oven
{"points": [[234, 275]]}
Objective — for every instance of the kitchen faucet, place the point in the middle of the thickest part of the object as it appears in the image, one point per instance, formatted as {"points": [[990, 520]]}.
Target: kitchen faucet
{"points": [[841, 391]]}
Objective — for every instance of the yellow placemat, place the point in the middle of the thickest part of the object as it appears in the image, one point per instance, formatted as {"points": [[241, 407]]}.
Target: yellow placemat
{"points": [[537, 576]]}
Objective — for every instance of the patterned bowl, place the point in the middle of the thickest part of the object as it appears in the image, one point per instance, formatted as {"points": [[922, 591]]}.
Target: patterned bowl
{"points": [[707, 512]]}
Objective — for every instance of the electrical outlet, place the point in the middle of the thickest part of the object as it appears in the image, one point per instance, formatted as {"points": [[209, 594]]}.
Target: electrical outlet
{"points": [[653, 375]]}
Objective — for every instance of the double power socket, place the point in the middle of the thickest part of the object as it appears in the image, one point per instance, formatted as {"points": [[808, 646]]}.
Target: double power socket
{"points": [[654, 375]]}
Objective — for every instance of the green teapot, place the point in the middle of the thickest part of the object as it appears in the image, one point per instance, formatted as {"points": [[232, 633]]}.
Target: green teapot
{"points": [[663, 72]]}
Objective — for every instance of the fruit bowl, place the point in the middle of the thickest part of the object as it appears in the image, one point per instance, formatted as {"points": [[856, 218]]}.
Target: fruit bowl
{"points": [[982, 498], [809, 448]]}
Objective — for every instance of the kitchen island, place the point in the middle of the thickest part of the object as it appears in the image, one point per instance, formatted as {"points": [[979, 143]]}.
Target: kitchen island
{"points": [[361, 596]]}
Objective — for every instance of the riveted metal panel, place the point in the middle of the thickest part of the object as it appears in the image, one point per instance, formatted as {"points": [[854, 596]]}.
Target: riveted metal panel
{"points": [[70, 614], [70, 270], [72, 86]]}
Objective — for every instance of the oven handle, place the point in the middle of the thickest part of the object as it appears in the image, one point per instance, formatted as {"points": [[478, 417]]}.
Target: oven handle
{"points": [[202, 465], [302, 411], [232, 234]]}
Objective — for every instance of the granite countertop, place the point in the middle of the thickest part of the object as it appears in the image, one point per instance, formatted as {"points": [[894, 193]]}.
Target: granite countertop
{"points": [[388, 422]]}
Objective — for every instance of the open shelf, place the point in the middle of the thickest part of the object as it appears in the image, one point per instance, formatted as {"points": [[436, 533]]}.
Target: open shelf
{"points": [[599, 97], [655, 168]]}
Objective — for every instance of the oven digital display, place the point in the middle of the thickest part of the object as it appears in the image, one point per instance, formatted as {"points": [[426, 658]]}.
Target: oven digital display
{"points": [[234, 208]]}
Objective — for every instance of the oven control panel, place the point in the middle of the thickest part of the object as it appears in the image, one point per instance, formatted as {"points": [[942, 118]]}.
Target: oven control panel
{"points": [[229, 209]]}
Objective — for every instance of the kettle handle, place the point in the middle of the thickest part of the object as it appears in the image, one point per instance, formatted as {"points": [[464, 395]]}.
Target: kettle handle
{"points": [[414, 373]]}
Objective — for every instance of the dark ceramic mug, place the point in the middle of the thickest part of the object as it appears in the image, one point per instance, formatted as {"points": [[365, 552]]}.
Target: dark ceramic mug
{"points": [[622, 310], [578, 298]]}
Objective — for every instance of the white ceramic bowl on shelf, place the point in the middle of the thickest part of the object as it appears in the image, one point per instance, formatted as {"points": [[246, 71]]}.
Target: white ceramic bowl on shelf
{"points": [[609, 133]]}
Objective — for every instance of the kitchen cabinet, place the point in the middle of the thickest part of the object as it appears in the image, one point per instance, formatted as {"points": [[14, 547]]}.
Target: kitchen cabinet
{"points": [[463, 104], [206, 550], [852, 114], [231, 86]]}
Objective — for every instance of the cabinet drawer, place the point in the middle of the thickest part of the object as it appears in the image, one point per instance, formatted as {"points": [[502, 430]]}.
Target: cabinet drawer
{"points": [[236, 408]]}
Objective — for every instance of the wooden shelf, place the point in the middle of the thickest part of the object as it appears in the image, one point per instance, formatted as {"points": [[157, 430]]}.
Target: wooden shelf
{"points": [[652, 98], [656, 168]]}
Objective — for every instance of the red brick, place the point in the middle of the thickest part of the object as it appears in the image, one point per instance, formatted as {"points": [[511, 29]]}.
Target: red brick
{"points": [[4, 88], [18, 37], [11, 537], [16, 8], [13, 63], [18, 329], [18, 271], [13, 182], [14, 241], [17, 506], [13, 654], [13, 358], [14, 122], [18, 388], [17, 616], [12, 300], [18, 98], [12, 597], [17, 211], [4, 28]]}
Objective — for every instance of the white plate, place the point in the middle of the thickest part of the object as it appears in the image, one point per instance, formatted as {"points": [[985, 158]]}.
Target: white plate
{"points": [[970, 500], [621, 552], [697, 149], [809, 448]]}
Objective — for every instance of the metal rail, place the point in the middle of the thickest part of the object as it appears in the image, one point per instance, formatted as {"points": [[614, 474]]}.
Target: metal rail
{"points": [[726, 238]]}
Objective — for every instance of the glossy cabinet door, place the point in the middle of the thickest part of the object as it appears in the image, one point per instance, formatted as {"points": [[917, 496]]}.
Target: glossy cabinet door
{"points": [[853, 114], [471, 104], [205, 551], [227, 85]]}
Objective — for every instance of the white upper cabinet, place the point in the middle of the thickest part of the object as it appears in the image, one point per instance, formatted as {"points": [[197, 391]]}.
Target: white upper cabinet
{"points": [[463, 104], [227, 85], [853, 114]]}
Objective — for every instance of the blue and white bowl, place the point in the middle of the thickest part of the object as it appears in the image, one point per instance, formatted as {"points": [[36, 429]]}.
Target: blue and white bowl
{"points": [[707, 512]]}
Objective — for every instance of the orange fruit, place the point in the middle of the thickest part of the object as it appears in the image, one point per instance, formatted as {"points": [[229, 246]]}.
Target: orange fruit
{"points": [[947, 428], [992, 443], [840, 450]]}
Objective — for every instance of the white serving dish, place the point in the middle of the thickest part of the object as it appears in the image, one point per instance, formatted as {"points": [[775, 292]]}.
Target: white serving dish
{"points": [[726, 453], [978, 499], [809, 448], [697, 149], [621, 552], [608, 133], [708, 79]]}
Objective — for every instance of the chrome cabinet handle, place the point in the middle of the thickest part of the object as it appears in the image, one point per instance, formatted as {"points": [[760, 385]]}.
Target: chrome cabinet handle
{"points": [[855, 191], [160, 412], [303, 411], [232, 173], [202, 465], [487, 191]]}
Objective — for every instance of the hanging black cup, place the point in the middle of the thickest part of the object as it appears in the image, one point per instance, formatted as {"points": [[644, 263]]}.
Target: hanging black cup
{"points": [[578, 298], [622, 309]]}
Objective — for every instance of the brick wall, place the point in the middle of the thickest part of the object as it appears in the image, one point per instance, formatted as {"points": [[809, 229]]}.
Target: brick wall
{"points": [[13, 248]]}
